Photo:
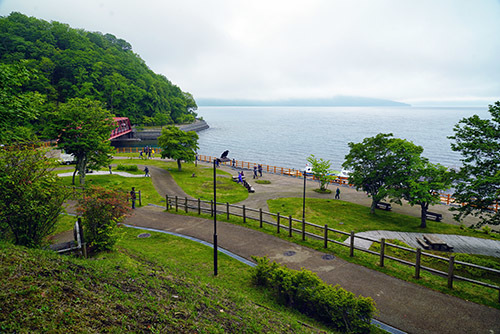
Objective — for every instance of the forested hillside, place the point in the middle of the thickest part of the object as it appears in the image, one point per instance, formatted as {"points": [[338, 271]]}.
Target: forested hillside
{"points": [[68, 63]]}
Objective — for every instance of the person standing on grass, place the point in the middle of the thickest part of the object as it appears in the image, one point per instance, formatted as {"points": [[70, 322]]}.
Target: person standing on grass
{"points": [[133, 197], [337, 193], [110, 172], [146, 171]]}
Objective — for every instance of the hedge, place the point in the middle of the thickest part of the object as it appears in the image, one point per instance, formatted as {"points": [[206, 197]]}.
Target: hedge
{"points": [[306, 292]]}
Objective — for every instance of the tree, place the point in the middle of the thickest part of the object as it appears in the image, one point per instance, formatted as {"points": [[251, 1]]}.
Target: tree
{"points": [[31, 198], [422, 188], [478, 181], [178, 145], [83, 127], [380, 164], [321, 171], [102, 210], [17, 108]]}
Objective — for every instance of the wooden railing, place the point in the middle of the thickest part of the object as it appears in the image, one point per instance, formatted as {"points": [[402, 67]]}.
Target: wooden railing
{"points": [[290, 225], [446, 199]]}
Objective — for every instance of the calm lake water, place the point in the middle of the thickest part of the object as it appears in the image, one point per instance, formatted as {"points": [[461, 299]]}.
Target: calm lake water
{"points": [[286, 136]]}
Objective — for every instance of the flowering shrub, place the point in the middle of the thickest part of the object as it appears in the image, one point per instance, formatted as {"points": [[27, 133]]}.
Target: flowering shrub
{"points": [[101, 210]]}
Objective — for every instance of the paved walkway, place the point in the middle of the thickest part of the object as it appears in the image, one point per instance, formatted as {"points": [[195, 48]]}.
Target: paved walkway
{"points": [[460, 243], [406, 306]]}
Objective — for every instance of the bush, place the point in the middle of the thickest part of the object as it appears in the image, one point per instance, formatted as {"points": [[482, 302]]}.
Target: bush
{"points": [[102, 210], [128, 168], [304, 291]]}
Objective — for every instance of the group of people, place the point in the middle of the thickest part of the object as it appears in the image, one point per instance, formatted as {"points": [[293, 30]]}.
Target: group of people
{"points": [[147, 152], [257, 169]]}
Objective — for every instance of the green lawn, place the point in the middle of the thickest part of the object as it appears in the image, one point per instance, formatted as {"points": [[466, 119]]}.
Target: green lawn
{"points": [[345, 216], [160, 284]]}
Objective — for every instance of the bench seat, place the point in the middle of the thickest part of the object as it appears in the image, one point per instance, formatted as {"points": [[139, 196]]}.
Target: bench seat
{"points": [[384, 206], [434, 216]]}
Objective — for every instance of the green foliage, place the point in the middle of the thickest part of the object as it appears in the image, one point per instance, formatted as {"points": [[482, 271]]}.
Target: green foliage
{"points": [[18, 108], [74, 63], [321, 171], [381, 163], [102, 210], [422, 186], [83, 127], [128, 168], [303, 290], [478, 181], [160, 284], [31, 198], [178, 145]]}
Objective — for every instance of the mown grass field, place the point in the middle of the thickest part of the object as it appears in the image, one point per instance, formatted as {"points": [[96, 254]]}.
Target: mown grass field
{"points": [[160, 284]]}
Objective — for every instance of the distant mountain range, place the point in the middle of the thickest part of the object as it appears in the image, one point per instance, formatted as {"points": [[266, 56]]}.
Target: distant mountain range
{"points": [[337, 101]]}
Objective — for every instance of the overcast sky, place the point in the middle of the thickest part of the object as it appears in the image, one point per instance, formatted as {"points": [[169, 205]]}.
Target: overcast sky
{"points": [[403, 50]]}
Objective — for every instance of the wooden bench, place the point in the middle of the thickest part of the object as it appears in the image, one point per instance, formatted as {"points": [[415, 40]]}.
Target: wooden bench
{"points": [[422, 243], [384, 206], [436, 243], [434, 216]]}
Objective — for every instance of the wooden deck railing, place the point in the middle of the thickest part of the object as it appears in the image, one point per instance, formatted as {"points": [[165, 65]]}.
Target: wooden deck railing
{"points": [[290, 225]]}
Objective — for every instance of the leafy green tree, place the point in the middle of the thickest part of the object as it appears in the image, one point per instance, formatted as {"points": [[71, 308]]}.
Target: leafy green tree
{"points": [[422, 187], [379, 164], [478, 181], [76, 63], [101, 210], [31, 198], [178, 145], [83, 127], [321, 171], [17, 108]]}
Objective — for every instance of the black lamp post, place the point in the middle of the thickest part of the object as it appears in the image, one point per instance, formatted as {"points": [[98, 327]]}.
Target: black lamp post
{"points": [[304, 198], [215, 218]]}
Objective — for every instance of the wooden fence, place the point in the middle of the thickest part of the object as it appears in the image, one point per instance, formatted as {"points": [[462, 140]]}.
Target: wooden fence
{"points": [[290, 225]]}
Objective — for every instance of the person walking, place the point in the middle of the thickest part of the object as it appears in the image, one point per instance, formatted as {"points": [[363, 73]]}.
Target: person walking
{"points": [[337, 193], [260, 170], [110, 172], [133, 197], [146, 172], [254, 172]]}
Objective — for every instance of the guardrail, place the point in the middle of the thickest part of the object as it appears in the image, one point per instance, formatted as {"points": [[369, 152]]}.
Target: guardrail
{"points": [[305, 229], [446, 199]]}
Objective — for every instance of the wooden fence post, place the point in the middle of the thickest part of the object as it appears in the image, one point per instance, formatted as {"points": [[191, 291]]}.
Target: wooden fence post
{"points": [[417, 263], [140, 199], [227, 210], [351, 252], [278, 223], [450, 271], [382, 251], [326, 236], [199, 207], [244, 214], [290, 226], [176, 203], [186, 204], [303, 229], [166, 201], [260, 217]]}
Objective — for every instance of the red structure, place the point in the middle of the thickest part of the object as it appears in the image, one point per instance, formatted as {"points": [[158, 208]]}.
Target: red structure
{"points": [[123, 127]]}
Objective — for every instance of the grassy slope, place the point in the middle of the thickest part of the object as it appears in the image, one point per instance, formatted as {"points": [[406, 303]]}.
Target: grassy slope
{"points": [[157, 284]]}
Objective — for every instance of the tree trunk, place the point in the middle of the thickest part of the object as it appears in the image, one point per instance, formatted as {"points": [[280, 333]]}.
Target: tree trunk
{"points": [[179, 164], [423, 214], [74, 174], [81, 165], [373, 206]]}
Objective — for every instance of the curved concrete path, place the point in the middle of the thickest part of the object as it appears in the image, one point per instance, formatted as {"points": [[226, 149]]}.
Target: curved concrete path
{"points": [[406, 306]]}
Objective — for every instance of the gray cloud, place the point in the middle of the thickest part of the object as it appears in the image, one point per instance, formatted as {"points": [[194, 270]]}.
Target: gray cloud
{"points": [[403, 50]]}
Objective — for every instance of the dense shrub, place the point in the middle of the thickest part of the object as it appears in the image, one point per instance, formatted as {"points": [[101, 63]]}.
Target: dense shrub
{"points": [[304, 291], [128, 168], [102, 210]]}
